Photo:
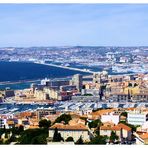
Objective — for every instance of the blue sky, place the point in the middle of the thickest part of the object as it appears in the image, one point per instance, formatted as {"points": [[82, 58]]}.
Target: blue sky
{"points": [[73, 24]]}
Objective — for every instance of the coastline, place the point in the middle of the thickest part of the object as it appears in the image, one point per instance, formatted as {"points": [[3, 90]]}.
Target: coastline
{"points": [[18, 82]]}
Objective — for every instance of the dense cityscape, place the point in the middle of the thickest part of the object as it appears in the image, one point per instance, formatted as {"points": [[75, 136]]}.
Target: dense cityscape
{"points": [[115, 59], [73, 73], [107, 105]]}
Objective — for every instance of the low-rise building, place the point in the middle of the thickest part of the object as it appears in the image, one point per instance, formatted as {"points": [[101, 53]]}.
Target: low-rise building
{"points": [[76, 131], [137, 117], [121, 130], [110, 117]]}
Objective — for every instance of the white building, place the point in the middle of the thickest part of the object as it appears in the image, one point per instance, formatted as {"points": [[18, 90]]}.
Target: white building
{"points": [[110, 117], [137, 117]]}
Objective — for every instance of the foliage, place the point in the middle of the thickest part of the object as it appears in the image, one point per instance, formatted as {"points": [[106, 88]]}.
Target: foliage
{"points": [[17, 130], [113, 137], [57, 136], [64, 117], [94, 124], [87, 95], [124, 114], [33, 136], [85, 119], [97, 131], [1, 141], [135, 85], [44, 123], [99, 140], [6, 135], [130, 85], [79, 141], [11, 139], [41, 139], [69, 139]]}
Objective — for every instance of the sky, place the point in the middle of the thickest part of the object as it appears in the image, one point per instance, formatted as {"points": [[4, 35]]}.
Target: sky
{"points": [[26, 25]]}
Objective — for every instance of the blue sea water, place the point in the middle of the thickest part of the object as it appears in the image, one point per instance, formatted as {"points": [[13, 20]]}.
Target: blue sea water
{"points": [[22, 71], [14, 71], [19, 71]]}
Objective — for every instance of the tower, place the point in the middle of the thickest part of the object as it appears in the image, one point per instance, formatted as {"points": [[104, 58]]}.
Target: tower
{"points": [[77, 80]]}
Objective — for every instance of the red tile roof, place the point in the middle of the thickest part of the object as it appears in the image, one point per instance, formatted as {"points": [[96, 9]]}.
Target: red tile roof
{"points": [[69, 127]]}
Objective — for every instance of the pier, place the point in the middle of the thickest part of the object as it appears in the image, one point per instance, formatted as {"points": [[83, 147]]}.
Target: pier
{"points": [[65, 67]]}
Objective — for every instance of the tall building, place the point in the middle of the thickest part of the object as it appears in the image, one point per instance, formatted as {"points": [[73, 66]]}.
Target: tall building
{"points": [[100, 77], [96, 78], [77, 81]]}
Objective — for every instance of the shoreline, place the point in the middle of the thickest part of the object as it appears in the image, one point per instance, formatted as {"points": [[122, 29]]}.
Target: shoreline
{"points": [[54, 65], [18, 82]]}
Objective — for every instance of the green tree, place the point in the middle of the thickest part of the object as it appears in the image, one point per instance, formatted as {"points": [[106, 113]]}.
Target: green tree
{"points": [[135, 85], [69, 139], [113, 137], [124, 114], [33, 136], [99, 140], [64, 117], [130, 85], [57, 136], [1, 141], [41, 139], [44, 123], [94, 124], [79, 141]]}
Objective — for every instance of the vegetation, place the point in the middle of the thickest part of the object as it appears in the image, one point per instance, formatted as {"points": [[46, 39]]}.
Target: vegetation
{"points": [[64, 117], [87, 95], [34, 136], [79, 141], [99, 140], [45, 123], [113, 137], [130, 85], [69, 139], [94, 124], [135, 85], [85, 119], [124, 114], [57, 136]]}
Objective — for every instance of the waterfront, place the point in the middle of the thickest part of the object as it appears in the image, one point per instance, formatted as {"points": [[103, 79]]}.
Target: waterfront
{"points": [[19, 75], [13, 108]]}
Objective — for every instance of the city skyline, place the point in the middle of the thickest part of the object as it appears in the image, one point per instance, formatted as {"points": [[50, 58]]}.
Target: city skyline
{"points": [[73, 25]]}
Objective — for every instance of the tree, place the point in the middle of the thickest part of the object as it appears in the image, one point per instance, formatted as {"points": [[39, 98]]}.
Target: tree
{"points": [[94, 124], [99, 140], [69, 139], [124, 114], [44, 123], [64, 117], [41, 139], [130, 85], [135, 85], [57, 136], [79, 141], [33, 136], [113, 137]]}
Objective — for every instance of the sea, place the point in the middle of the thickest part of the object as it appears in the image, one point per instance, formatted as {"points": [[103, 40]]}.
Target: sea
{"points": [[22, 74]]}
